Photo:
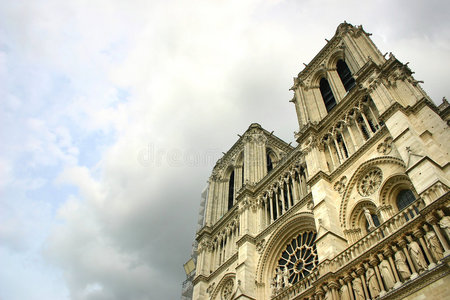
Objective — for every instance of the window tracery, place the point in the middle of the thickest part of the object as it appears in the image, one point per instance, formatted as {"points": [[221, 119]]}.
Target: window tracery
{"points": [[370, 182], [227, 289], [299, 258]]}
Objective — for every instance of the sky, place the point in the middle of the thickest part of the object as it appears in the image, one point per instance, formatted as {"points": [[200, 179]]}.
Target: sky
{"points": [[113, 113]]}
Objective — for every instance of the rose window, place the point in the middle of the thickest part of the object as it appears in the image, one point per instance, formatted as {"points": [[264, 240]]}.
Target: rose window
{"points": [[227, 289], [370, 182], [299, 257]]}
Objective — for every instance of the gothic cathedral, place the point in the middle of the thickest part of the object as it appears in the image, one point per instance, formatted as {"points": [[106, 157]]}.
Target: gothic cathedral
{"points": [[360, 209]]}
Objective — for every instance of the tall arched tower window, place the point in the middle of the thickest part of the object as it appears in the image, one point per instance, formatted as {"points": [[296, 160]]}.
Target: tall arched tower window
{"points": [[231, 190], [405, 198], [327, 94], [346, 76], [269, 162]]}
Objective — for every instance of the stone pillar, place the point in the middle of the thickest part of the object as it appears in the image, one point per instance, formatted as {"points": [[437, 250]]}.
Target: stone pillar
{"points": [[388, 253], [360, 271], [402, 243], [347, 280], [433, 221], [419, 234]]}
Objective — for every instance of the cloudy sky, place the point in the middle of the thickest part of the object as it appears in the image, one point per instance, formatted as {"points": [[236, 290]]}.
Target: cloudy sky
{"points": [[113, 112]]}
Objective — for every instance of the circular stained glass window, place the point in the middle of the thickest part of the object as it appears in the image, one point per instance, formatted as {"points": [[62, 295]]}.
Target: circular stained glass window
{"points": [[299, 257]]}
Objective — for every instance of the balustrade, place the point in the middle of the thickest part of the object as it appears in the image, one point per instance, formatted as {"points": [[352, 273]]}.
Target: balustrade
{"points": [[395, 257]]}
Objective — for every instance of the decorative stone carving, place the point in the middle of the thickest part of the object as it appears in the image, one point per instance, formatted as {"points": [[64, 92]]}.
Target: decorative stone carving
{"points": [[369, 219], [386, 272], [444, 223], [385, 147], [260, 246], [370, 182], [400, 263], [372, 282], [433, 243], [339, 186], [227, 289], [328, 295], [343, 291], [299, 258], [358, 288], [416, 255], [210, 288]]}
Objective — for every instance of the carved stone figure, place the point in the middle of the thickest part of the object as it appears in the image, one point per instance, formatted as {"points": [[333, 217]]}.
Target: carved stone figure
{"points": [[358, 289], [285, 275], [343, 291], [400, 263], [386, 272], [433, 243], [369, 218], [372, 282], [327, 295], [279, 277], [444, 223], [416, 255], [274, 287]]}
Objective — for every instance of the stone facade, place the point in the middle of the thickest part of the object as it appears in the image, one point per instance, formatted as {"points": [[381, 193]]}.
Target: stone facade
{"points": [[358, 210]]}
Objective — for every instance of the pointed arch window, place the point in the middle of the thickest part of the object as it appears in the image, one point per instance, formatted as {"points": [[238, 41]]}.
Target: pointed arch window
{"points": [[231, 190], [269, 163], [346, 76], [405, 198], [327, 94]]}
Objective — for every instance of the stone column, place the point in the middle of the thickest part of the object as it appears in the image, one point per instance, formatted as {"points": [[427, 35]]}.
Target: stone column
{"points": [[374, 263], [333, 286], [433, 221], [347, 280], [419, 234], [352, 137], [388, 253], [269, 198], [360, 271], [283, 205], [402, 243]]}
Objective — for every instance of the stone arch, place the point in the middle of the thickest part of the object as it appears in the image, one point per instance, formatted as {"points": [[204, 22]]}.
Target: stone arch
{"points": [[317, 76], [333, 59], [355, 219], [285, 232], [392, 187], [355, 178], [221, 284]]}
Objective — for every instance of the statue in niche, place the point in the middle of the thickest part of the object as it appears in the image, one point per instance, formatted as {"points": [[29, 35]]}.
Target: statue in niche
{"points": [[416, 255], [279, 277], [369, 219], [285, 275], [444, 223], [343, 291], [400, 263], [358, 289], [433, 243], [386, 272], [372, 282]]}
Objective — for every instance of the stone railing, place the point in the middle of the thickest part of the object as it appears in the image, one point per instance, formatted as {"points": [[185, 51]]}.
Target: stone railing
{"points": [[413, 242]]}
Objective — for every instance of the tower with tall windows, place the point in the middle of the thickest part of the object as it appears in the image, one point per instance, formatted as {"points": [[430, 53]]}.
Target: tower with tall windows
{"points": [[359, 209]]}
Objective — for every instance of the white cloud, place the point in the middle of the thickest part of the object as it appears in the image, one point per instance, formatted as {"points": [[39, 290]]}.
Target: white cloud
{"points": [[115, 98]]}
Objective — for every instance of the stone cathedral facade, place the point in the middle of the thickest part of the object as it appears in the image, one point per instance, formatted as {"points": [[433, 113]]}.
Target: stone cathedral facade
{"points": [[360, 209]]}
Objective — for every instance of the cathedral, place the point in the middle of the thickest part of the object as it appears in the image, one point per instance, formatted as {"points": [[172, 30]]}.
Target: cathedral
{"points": [[360, 209]]}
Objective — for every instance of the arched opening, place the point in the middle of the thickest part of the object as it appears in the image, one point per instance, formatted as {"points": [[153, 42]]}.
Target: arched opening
{"points": [[346, 76], [404, 199], [269, 163], [231, 190], [327, 94]]}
